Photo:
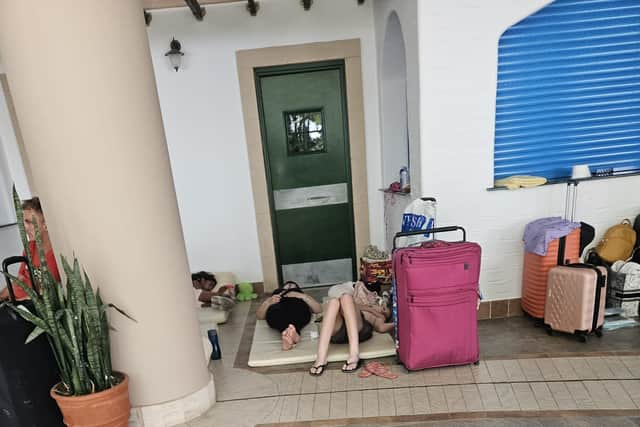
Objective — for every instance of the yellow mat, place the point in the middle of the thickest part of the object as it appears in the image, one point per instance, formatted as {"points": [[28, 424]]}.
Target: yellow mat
{"points": [[266, 349]]}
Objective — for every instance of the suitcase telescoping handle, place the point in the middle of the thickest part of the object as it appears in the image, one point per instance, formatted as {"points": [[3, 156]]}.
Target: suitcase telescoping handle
{"points": [[430, 231], [5, 268], [570, 200]]}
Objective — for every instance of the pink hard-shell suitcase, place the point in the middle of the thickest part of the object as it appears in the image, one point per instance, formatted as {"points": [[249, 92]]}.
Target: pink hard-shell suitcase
{"points": [[576, 296], [436, 295]]}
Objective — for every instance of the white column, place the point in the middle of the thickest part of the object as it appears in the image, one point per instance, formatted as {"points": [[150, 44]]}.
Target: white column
{"points": [[82, 81]]}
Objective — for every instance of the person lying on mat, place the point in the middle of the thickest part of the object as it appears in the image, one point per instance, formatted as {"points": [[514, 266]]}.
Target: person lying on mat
{"points": [[378, 316], [32, 211], [288, 310], [343, 322], [204, 285]]}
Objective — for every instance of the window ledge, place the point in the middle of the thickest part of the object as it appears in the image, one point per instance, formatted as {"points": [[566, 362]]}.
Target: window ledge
{"points": [[567, 180]]}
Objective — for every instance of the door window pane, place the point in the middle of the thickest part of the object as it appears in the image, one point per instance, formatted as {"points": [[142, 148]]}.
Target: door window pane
{"points": [[305, 132]]}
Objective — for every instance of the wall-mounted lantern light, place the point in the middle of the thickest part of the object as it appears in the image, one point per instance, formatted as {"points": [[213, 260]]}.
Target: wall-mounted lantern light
{"points": [[175, 54]]}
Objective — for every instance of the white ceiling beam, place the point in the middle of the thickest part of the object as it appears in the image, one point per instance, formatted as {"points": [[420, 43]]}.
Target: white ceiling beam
{"points": [[165, 4]]}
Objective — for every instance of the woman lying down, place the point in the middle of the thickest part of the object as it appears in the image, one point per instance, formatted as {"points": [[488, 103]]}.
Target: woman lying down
{"points": [[288, 310], [346, 319], [349, 320]]}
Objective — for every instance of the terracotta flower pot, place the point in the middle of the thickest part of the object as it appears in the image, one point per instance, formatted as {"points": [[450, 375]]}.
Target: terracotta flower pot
{"points": [[109, 408]]}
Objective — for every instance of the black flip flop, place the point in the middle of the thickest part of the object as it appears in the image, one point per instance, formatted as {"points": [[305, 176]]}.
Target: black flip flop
{"points": [[347, 363], [319, 372]]}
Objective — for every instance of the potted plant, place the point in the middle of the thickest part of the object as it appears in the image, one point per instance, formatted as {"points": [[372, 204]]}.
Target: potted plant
{"points": [[74, 317]]}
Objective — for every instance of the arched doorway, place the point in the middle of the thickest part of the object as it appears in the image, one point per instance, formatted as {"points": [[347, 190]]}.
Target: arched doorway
{"points": [[395, 137], [394, 119]]}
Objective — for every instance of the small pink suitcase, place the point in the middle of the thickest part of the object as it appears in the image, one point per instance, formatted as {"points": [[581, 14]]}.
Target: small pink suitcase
{"points": [[436, 292], [575, 300]]}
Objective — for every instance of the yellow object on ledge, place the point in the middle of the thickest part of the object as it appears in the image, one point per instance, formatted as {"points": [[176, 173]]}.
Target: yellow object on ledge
{"points": [[517, 181]]}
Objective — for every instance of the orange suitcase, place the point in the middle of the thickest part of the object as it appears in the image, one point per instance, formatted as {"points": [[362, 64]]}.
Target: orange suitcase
{"points": [[536, 269], [575, 300]]}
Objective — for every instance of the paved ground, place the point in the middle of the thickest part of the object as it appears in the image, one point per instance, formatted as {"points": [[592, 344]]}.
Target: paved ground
{"points": [[525, 378]]}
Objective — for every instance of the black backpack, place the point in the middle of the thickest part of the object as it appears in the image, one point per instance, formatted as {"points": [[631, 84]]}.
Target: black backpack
{"points": [[636, 252], [587, 234]]}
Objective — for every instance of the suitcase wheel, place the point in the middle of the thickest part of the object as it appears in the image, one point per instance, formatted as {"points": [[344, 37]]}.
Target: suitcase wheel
{"points": [[549, 330], [599, 332], [477, 362], [582, 338]]}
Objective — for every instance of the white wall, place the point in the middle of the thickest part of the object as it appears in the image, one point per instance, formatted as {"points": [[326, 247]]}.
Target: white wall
{"points": [[7, 214], [9, 238], [10, 245], [11, 166], [11, 170], [407, 14], [458, 66], [203, 119]]}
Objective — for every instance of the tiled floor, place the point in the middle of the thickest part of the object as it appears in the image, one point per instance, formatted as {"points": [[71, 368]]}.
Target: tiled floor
{"points": [[517, 337], [547, 380], [567, 420]]}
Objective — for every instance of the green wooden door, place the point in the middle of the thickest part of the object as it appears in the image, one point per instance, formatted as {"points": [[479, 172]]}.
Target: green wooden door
{"points": [[303, 119]]}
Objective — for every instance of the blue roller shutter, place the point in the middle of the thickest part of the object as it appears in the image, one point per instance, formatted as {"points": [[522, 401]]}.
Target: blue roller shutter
{"points": [[569, 90]]}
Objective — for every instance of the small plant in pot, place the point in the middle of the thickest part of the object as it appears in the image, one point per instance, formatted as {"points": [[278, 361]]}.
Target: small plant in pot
{"points": [[74, 318]]}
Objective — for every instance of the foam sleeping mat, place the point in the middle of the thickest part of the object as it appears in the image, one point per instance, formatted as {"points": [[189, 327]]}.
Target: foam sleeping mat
{"points": [[266, 349]]}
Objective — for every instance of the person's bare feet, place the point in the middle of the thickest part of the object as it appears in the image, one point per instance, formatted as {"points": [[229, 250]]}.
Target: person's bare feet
{"points": [[290, 338], [294, 334], [317, 369], [287, 340]]}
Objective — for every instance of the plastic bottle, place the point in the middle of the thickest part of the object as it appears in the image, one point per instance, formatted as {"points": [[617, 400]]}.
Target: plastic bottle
{"points": [[216, 352], [404, 177]]}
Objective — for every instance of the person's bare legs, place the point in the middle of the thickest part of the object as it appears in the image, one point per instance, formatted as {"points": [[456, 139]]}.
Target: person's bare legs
{"points": [[327, 329], [353, 323]]}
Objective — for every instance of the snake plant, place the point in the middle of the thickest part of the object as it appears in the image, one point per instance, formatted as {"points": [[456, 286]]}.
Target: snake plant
{"points": [[73, 317]]}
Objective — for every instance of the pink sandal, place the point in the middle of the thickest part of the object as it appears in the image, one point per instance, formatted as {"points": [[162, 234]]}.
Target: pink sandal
{"points": [[378, 369]]}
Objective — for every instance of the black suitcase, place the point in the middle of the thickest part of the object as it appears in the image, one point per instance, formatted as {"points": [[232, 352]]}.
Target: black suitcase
{"points": [[27, 371]]}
